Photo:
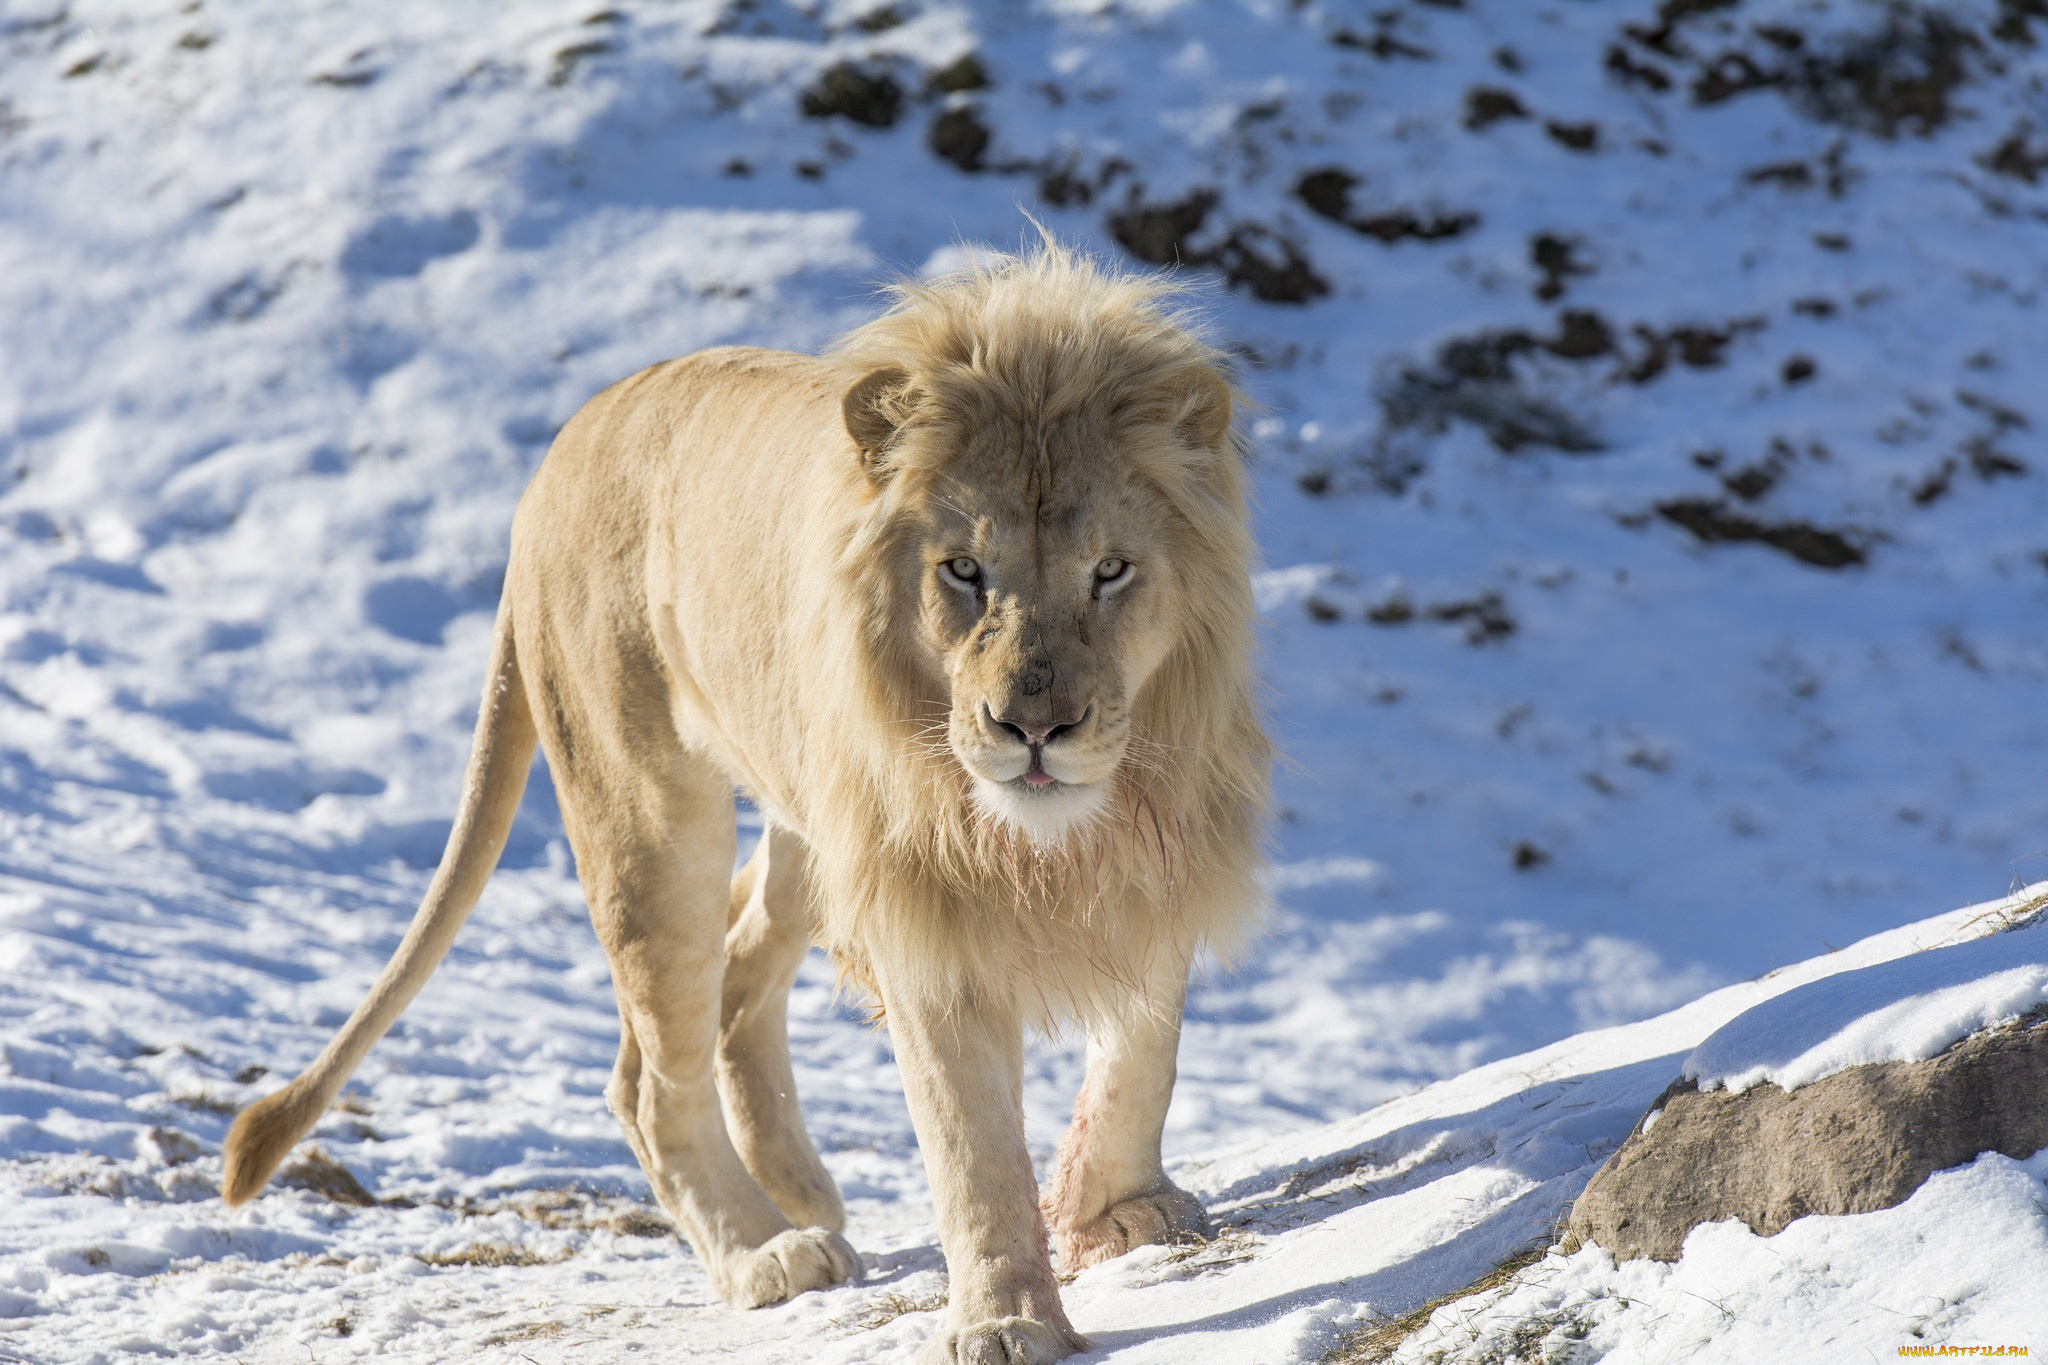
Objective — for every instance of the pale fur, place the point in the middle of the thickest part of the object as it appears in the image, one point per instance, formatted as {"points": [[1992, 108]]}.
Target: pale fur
{"points": [[725, 574]]}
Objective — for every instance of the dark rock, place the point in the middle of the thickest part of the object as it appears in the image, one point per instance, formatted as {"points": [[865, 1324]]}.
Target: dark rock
{"points": [[1989, 463], [1752, 481], [958, 77], [1702, 347], [1381, 43], [1327, 192], [1729, 75], [1670, 15], [1404, 223], [1627, 70], [1936, 485], [1511, 417], [844, 90], [1791, 175], [1898, 76], [1474, 379], [880, 20], [959, 136], [1158, 233], [1485, 616], [569, 58], [1698, 345], [1486, 105], [2014, 157], [1581, 335], [1715, 523], [1557, 258], [1063, 186], [1860, 1140], [1272, 267], [2014, 18], [1395, 611], [1580, 137]]}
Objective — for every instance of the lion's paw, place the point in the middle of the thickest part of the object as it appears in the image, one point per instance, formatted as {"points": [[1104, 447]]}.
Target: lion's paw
{"points": [[787, 1264], [1162, 1218], [999, 1341]]}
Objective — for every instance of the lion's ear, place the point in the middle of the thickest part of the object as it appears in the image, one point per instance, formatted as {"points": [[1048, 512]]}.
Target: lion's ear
{"points": [[1203, 416], [874, 409]]}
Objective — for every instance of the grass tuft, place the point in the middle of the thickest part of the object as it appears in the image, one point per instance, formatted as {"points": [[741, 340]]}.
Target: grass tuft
{"points": [[1377, 1340]]}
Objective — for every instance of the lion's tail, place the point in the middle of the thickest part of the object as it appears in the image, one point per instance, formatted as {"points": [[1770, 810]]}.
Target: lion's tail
{"points": [[491, 790]]}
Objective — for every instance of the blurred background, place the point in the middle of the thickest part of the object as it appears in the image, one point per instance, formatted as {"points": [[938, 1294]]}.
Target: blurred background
{"points": [[1650, 471]]}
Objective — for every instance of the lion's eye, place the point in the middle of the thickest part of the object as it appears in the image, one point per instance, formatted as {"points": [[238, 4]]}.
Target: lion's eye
{"points": [[961, 572], [1112, 570]]}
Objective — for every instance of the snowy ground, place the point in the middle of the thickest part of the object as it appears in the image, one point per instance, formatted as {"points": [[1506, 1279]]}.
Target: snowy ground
{"points": [[1652, 495]]}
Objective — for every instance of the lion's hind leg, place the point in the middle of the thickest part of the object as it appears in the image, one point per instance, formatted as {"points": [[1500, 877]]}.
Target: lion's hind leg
{"points": [[652, 828], [765, 942]]}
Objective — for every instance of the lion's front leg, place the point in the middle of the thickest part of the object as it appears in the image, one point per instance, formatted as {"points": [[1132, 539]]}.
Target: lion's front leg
{"points": [[1109, 1191], [961, 1055]]}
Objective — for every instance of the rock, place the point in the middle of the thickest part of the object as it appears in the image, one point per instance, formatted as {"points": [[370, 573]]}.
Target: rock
{"points": [[959, 136], [1714, 522], [1272, 266], [1860, 1140], [845, 90]]}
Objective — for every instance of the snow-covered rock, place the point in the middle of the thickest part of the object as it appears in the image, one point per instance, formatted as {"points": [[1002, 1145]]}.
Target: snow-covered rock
{"points": [[1856, 1140], [1841, 1095]]}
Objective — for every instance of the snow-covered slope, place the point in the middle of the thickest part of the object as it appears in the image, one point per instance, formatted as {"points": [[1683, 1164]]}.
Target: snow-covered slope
{"points": [[1326, 1235], [1905, 1011], [1652, 495]]}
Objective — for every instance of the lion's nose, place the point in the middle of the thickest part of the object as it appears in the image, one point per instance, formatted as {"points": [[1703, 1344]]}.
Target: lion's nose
{"points": [[1032, 734]]}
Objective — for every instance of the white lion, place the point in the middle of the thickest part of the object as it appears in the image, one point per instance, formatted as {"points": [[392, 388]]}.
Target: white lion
{"points": [[964, 608]]}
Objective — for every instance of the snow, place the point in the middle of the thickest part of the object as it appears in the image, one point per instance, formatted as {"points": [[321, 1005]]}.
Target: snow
{"points": [[292, 299], [1903, 1011], [1958, 1262]]}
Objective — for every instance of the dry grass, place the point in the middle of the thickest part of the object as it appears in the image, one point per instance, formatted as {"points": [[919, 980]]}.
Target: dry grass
{"points": [[1231, 1246], [323, 1175], [525, 1331], [1377, 1341], [2016, 914], [884, 1309], [206, 1102], [491, 1256], [573, 1211]]}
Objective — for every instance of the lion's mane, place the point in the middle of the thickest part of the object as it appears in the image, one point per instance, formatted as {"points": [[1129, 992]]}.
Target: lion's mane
{"points": [[1172, 863]]}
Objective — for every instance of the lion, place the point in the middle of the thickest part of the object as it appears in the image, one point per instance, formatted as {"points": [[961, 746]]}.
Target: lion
{"points": [[963, 606]]}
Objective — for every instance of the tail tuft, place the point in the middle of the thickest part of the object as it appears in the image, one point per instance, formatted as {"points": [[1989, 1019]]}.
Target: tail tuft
{"points": [[263, 1135], [505, 737]]}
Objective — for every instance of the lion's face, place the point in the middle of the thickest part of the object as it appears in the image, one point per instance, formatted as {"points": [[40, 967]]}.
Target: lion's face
{"points": [[1046, 595]]}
